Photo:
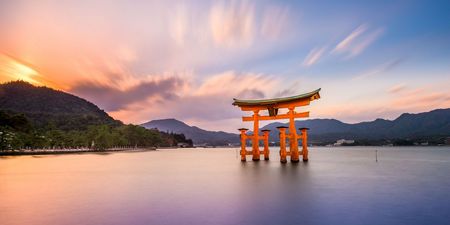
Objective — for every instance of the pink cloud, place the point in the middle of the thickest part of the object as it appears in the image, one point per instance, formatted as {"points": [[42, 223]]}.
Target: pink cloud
{"points": [[421, 100]]}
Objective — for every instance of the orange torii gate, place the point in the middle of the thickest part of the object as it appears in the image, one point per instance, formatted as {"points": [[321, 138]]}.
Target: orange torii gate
{"points": [[272, 106]]}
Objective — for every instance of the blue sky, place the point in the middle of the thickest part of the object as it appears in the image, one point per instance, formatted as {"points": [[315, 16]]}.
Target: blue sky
{"points": [[187, 59]]}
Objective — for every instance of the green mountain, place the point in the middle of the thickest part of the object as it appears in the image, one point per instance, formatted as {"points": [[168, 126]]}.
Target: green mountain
{"points": [[45, 106]]}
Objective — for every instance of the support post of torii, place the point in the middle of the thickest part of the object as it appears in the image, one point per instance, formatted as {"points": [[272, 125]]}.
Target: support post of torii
{"points": [[304, 137], [293, 142], [266, 144], [243, 136], [255, 140], [283, 152]]}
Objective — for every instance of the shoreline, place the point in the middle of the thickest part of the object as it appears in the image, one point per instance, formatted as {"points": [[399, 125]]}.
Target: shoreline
{"points": [[71, 151]]}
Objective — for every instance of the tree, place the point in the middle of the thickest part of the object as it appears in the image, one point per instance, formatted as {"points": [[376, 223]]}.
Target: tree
{"points": [[101, 136]]}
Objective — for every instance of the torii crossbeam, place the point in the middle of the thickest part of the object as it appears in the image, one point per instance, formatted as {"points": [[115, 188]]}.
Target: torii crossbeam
{"points": [[272, 106]]}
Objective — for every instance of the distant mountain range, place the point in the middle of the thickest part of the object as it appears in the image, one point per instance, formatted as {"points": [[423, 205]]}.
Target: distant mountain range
{"points": [[435, 123], [198, 135], [428, 125]]}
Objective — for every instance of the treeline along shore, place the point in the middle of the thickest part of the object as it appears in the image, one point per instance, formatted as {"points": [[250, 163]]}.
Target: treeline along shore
{"points": [[17, 133], [72, 151]]}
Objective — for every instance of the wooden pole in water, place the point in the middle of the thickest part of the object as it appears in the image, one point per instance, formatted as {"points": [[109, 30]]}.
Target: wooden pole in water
{"points": [[266, 144], [243, 144], [283, 152], [304, 136], [293, 141], [376, 155], [255, 141]]}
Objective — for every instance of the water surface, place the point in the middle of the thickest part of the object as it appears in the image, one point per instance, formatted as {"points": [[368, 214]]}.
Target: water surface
{"points": [[211, 186]]}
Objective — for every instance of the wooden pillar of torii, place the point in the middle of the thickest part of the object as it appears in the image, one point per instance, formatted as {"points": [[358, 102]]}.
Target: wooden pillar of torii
{"points": [[272, 106]]}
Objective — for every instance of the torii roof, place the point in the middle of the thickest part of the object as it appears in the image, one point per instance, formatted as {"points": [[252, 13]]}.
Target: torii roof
{"points": [[264, 102]]}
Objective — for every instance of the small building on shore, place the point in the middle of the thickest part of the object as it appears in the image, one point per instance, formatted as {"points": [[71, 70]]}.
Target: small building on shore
{"points": [[183, 145], [341, 142]]}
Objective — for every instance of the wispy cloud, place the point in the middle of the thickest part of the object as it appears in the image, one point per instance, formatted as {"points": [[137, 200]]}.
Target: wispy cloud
{"points": [[383, 68], [346, 43], [314, 56], [357, 41], [237, 24], [275, 22], [422, 100], [291, 90], [364, 43], [352, 45], [397, 88], [233, 24], [232, 83]]}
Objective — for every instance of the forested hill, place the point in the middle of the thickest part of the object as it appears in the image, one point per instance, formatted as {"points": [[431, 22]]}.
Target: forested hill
{"points": [[40, 117], [45, 106]]}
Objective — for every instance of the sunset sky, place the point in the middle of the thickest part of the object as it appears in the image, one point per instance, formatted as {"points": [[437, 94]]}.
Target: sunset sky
{"points": [[144, 60]]}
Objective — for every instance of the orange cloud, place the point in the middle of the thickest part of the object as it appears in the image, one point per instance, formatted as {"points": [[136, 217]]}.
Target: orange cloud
{"points": [[11, 69]]}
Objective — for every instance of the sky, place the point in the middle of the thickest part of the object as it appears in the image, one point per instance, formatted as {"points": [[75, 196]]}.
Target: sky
{"points": [[146, 60]]}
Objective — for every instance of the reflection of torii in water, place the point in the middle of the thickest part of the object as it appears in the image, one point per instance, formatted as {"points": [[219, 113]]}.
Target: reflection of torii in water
{"points": [[272, 106]]}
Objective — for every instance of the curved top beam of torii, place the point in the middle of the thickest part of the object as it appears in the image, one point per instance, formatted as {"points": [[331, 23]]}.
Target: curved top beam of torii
{"points": [[264, 102], [272, 105]]}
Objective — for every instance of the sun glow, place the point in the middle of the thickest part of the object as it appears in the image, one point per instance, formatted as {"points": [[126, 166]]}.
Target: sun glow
{"points": [[11, 69]]}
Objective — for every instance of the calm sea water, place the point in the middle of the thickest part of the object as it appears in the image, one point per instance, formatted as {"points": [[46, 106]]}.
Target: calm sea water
{"points": [[211, 186]]}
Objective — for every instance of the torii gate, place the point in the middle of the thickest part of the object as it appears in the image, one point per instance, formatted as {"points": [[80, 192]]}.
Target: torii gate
{"points": [[272, 106]]}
